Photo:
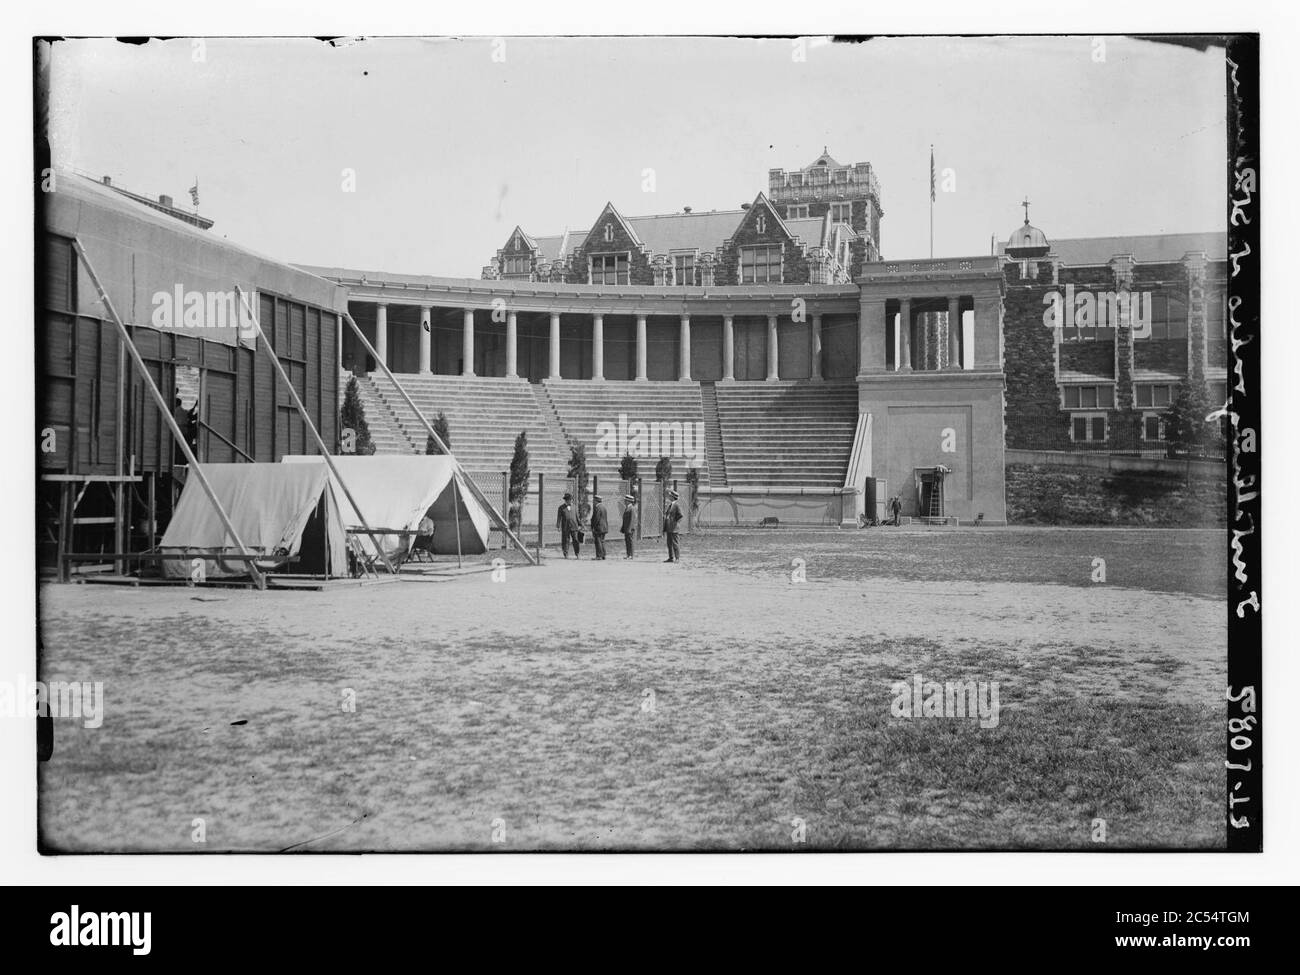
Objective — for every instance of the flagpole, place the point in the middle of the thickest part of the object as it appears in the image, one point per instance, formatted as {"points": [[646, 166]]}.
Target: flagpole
{"points": [[932, 201]]}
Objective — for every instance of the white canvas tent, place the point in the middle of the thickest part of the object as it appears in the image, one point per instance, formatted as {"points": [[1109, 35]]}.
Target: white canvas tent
{"points": [[396, 491], [278, 511]]}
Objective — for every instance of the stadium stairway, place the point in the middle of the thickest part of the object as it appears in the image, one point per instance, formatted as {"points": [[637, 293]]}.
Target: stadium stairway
{"points": [[581, 405], [385, 432], [717, 460], [785, 434], [484, 415]]}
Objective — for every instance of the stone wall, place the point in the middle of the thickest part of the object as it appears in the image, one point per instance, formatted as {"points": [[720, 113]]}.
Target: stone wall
{"points": [[1040, 494]]}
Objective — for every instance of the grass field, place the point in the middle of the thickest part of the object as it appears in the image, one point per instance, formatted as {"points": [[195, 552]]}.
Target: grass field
{"points": [[743, 699]]}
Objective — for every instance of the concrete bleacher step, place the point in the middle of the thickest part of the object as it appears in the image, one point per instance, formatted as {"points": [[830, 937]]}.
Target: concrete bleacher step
{"points": [[581, 406], [484, 415], [783, 435]]}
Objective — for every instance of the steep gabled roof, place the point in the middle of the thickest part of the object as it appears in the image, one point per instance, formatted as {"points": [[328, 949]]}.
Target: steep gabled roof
{"points": [[608, 212], [523, 236]]}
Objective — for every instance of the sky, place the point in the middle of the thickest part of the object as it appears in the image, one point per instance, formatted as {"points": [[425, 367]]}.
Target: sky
{"points": [[451, 143]]}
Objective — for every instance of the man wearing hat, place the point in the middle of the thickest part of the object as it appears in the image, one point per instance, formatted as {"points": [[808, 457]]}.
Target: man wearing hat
{"points": [[673, 515], [599, 525], [566, 521], [628, 527]]}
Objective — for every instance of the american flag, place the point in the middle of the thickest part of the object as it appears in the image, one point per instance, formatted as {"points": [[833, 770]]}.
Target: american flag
{"points": [[194, 190]]}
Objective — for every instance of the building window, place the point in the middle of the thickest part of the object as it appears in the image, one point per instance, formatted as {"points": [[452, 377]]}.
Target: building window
{"points": [[761, 224], [1168, 317], [517, 266], [684, 269], [1153, 426], [609, 268], [1089, 397], [796, 212], [1088, 429], [760, 265], [1151, 394], [841, 213], [1218, 393]]}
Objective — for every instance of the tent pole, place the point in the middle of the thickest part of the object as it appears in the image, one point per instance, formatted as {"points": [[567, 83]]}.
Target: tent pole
{"points": [[302, 411], [165, 409], [455, 500], [501, 523]]}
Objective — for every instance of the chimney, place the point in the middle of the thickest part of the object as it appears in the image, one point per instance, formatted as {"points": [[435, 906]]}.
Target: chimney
{"points": [[165, 200], [108, 180], [744, 206], [686, 209]]}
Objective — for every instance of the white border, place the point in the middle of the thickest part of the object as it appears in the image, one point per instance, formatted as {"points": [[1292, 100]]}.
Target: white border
{"points": [[1277, 23]]}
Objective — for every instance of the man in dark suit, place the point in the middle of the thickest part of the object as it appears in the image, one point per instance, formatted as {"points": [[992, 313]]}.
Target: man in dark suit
{"points": [[628, 528], [566, 520], [599, 525], [673, 516]]}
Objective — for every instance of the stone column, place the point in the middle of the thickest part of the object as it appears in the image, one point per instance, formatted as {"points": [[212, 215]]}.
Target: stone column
{"points": [[954, 333], [640, 349], [988, 333], [381, 332], [728, 349], [512, 346], [554, 372], [816, 351], [1122, 267], [598, 347], [903, 354], [773, 351], [426, 340], [467, 344], [1197, 340], [873, 348], [684, 353]]}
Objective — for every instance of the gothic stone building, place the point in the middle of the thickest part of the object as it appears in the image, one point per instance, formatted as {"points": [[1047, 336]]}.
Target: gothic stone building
{"points": [[1104, 375], [816, 225]]}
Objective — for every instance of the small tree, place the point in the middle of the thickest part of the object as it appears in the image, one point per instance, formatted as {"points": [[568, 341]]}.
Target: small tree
{"points": [[352, 422], [578, 471], [1186, 430], [443, 429], [664, 470], [627, 469], [518, 480]]}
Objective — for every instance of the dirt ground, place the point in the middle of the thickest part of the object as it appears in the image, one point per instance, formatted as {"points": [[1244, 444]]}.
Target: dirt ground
{"points": [[738, 700]]}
